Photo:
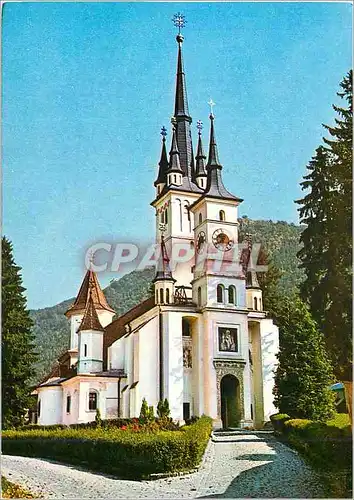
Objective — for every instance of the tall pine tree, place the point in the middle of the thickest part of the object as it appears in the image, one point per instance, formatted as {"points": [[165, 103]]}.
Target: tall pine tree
{"points": [[327, 240], [17, 342], [304, 373]]}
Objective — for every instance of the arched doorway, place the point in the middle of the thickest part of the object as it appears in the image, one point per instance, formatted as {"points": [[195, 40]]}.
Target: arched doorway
{"points": [[230, 401]]}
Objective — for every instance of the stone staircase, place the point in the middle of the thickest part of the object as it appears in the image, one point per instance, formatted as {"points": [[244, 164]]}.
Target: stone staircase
{"points": [[237, 434]]}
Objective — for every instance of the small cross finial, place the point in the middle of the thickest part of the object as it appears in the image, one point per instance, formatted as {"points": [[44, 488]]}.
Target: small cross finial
{"points": [[199, 126], [163, 132], [211, 104], [179, 21]]}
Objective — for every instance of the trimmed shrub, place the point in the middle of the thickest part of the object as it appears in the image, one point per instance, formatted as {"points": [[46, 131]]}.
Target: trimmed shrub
{"points": [[327, 447], [115, 450], [278, 420]]}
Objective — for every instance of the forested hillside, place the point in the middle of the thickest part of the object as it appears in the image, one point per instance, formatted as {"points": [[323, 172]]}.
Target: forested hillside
{"points": [[51, 328]]}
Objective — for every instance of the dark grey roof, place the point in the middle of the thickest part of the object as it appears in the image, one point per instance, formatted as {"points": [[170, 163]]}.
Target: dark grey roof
{"points": [[182, 117], [215, 187], [58, 381], [163, 165], [175, 165]]}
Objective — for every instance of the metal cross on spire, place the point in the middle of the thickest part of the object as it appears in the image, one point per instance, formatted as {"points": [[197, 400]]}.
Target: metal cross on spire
{"points": [[163, 132], [179, 21], [211, 104]]}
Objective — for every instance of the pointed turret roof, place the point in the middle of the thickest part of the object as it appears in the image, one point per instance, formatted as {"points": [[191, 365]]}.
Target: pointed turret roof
{"points": [[90, 282], [90, 320], [215, 187], [163, 270], [200, 158], [163, 163], [175, 164]]}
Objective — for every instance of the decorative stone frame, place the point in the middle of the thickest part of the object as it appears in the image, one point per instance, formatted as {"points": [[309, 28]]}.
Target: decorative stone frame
{"points": [[229, 367]]}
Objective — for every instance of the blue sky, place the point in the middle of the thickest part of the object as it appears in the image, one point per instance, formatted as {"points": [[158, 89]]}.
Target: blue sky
{"points": [[87, 86]]}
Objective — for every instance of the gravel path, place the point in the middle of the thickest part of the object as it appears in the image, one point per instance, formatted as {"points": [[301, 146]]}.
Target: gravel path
{"points": [[237, 466]]}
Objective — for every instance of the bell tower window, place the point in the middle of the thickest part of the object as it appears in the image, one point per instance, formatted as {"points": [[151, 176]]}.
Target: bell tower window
{"points": [[221, 215], [161, 295], [199, 296], [232, 294], [200, 218], [255, 303], [220, 294]]}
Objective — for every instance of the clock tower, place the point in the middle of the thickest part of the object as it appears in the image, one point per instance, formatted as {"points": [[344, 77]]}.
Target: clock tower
{"points": [[218, 279]]}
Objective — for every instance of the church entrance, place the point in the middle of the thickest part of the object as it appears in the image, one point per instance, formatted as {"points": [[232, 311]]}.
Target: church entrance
{"points": [[230, 401]]}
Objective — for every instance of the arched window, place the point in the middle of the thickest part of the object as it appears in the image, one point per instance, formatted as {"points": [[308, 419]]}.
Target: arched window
{"points": [[174, 179], [220, 293], [221, 215], [187, 212], [199, 296], [186, 328], [157, 296], [260, 304], [161, 295], [85, 350], [167, 296], [232, 294], [166, 217], [68, 403], [200, 218], [255, 303], [92, 400], [180, 213]]}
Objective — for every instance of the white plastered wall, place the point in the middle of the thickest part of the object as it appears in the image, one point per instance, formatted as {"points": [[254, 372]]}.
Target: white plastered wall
{"points": [[51, 399], [269, 348]]}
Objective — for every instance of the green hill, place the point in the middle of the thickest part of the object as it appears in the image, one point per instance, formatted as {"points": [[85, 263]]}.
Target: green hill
{"points": [[51, 328]]}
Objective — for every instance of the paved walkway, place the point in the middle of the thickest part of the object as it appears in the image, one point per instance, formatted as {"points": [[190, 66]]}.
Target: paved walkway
{"points": [[243, 465]]}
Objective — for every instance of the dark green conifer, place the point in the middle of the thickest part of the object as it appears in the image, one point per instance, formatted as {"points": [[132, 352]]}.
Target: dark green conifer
{"points": [[17, 344]]}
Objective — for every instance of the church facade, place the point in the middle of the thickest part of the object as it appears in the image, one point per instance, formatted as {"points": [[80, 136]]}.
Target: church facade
{"points": [[202, 340]]}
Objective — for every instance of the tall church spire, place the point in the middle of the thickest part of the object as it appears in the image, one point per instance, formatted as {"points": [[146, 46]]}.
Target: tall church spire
{"points": [[181, 112], [215, 187], [200, 158]]}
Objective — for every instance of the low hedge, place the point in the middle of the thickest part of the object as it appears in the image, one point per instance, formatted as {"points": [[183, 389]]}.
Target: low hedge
{"points": [[113, 422], [327, 447], [124, 453]]}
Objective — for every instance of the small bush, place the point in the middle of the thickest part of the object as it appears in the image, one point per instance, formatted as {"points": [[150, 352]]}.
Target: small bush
{"points": [[11, 490], [119, 451], [278, 420]]}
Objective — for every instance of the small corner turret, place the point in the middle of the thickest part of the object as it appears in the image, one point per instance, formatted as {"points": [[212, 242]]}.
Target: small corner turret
{"points": [[200, 172], [164, 281], [174, 172], [90, 340]]}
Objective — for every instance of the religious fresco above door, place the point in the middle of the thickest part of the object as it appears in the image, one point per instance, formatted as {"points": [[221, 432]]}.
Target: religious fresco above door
{"points": [[227, 339]]}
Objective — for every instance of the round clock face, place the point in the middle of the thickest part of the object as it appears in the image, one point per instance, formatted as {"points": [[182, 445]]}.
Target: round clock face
{"points": [[222, 241], [201, 241]]}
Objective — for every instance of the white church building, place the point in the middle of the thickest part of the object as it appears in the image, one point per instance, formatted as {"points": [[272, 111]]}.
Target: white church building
{"points": [[202, 340]]}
